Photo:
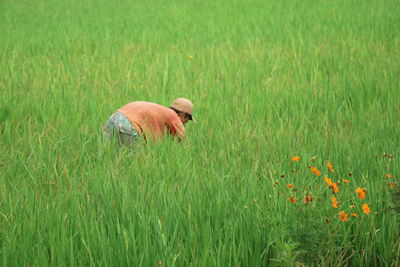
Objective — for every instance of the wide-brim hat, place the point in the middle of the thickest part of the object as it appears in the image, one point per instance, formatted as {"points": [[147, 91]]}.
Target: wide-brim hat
{"points": [[184, 105]]}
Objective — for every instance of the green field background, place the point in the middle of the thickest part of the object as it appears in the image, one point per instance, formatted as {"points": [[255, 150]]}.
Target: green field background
{"points": [[269, 79]]}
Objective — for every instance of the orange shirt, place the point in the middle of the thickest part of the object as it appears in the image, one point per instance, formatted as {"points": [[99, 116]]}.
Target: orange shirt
{"points": [[153, 120]]}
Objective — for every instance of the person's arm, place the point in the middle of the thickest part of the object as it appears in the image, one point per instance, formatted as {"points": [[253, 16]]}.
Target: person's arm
{"points": [[176, 128]]}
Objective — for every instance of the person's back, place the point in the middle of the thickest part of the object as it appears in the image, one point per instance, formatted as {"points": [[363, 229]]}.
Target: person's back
{"points": [[152, 120]]}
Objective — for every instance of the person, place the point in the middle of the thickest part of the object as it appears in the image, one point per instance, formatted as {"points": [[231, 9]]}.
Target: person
{"points": [[150, 121]]}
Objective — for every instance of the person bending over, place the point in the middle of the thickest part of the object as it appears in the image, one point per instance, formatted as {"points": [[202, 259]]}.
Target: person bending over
{"points": [[150, 121]]}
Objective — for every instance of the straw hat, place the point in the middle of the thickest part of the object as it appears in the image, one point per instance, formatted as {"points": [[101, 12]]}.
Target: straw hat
{"points": [[184, 105]]}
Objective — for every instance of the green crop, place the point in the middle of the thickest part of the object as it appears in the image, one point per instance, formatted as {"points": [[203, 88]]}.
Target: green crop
{"points": [[269, 80]]}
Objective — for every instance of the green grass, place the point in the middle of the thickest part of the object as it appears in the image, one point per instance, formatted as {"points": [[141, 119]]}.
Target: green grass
{"points": [[269, 79]]}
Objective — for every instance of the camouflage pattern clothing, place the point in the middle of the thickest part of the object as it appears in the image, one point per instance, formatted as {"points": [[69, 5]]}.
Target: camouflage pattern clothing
{"points": [[118, 127]]}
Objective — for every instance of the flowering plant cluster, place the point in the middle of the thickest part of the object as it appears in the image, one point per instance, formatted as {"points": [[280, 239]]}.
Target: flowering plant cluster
{"points": [[359, 194]]}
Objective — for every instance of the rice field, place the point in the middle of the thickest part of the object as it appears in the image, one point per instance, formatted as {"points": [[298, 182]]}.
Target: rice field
{"points": [[293, 160]]}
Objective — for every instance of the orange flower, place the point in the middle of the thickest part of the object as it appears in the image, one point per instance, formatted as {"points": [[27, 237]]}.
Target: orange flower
{"points": [[343, 216], [361, 192], [290, 186], [346, 181], [366, 208], [330, 166], [331, 185], [308, 199], [354, 215], [389, 175], [391, 185], [334, 202], [328, 181], [335, 188], [296, 158], [292, 199], [315, 171]]}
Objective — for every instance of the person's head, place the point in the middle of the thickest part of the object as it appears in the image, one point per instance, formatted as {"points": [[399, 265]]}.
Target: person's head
{"points": [[183, 108]]}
